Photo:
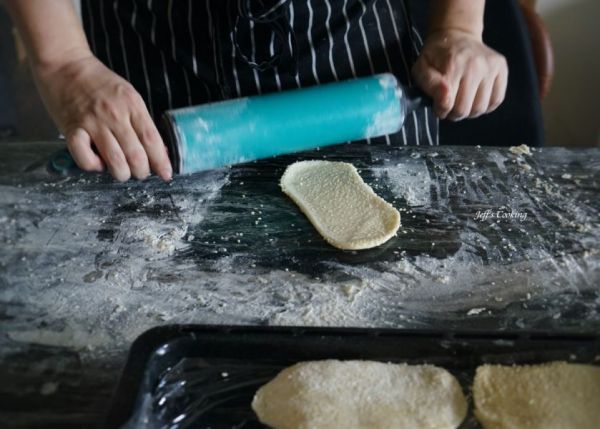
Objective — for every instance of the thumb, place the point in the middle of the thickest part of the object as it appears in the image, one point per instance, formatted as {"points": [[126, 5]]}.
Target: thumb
{"points": [[80, 146], [427, 77], [434, 84]]}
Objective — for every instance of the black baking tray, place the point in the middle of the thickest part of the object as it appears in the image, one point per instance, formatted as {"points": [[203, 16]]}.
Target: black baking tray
{"points": [[198, 376]]}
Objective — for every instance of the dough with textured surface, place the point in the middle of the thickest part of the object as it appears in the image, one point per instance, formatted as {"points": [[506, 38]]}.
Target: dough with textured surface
{"points": [[557, 395], [334, 394], [343, 208]]}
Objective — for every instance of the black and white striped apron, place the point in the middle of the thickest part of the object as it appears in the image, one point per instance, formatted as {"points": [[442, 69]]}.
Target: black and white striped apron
{"points": [[179, 53]]}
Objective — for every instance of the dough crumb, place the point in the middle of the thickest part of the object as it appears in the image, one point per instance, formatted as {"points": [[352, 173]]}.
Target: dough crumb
{"points": [[49, 388], [520, 150]]}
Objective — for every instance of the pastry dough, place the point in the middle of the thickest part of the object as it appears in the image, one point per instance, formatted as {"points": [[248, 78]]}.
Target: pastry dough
{"points": [[343, 208], [557, 395], [334, 394]]}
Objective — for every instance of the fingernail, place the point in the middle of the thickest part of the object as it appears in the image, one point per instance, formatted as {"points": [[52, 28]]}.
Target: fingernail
{"points": [[166, 174]]}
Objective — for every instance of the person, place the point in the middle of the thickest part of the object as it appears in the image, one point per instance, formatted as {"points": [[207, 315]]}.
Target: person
{"points": [[107, 85]]}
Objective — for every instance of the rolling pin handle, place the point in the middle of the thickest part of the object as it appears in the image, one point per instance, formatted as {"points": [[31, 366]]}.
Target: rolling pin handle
{"points": [[415, 99], [168, 131]]}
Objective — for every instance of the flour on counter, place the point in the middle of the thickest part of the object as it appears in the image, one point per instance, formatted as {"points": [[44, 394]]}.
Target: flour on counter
{"points": [[118, 259], [95, 287], [409, 180], [499, 159]]}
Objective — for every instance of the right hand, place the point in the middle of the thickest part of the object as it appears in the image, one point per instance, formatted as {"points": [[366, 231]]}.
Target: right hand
{"points": [[464, 77], [93, 106]]}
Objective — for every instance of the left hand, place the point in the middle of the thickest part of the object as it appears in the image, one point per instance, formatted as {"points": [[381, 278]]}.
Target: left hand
{"points": [[464, 77]]}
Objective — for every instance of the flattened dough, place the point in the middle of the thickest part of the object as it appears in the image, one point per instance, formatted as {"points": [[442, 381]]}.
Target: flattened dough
{"points": [[343, 208], [557, 395], [334, 394]]}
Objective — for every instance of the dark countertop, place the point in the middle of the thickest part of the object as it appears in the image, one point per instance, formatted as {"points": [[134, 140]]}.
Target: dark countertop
{"points": [[87, 264]]}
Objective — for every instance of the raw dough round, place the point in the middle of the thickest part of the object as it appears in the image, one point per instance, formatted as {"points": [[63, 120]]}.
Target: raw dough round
{"points": [[551, 396], [334, 394], [343, 208]]}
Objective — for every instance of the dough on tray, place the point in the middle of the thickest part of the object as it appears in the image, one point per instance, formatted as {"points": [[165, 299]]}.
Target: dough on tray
{"points": [[556, 395], [343, 208], [333, 394]]}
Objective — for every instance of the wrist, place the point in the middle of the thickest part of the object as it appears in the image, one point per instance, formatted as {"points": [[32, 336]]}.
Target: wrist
{"points": [[464, 16], [445, 32], [47, 63]]}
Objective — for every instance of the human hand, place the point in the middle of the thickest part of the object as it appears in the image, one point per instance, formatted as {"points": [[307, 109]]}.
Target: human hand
{"points": [[464, 77], [93, 106]]}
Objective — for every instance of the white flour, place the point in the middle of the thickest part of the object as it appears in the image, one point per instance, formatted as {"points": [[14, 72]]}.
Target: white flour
{"points": [[409, 180], [98, 293]]}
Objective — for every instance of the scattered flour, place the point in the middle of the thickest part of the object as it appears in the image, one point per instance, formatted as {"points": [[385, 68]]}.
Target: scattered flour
{"points": [[100, 294], [409, 180]]}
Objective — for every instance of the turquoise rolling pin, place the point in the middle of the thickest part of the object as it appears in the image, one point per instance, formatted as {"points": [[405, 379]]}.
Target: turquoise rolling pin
{"points": [[246, 129]]}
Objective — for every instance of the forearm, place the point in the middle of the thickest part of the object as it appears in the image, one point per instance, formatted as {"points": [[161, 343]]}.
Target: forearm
{"points": [[461, 15], [103, 118], [50, 29]]}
